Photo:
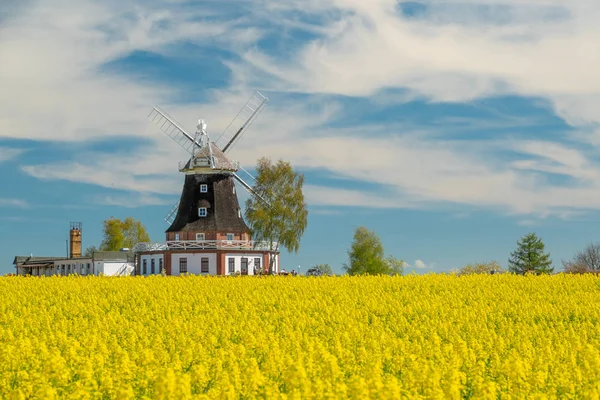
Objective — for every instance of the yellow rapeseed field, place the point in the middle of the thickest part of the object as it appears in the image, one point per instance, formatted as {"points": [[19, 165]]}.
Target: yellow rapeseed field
{"points": [[434, 336]]}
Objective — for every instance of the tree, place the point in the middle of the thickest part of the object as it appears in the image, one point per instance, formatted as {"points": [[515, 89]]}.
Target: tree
{"points": [[481, 268], [395, 265], [278, 213], [89, 251], [322, 269], [123, 234], [587, 260], [366, 256], [530, 257]]}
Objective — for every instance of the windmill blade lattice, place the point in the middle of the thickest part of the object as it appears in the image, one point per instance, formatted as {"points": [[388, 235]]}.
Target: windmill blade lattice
{"points": [[171, 128], [171, 215], [242, 121], [249, 188]]}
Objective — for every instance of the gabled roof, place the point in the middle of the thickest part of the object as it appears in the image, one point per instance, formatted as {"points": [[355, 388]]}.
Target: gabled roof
{"points": [[113, 255], [202, 157], [34, 260]]}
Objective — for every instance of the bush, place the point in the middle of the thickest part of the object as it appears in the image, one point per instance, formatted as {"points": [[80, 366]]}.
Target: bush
{"points": [[481, 268]]}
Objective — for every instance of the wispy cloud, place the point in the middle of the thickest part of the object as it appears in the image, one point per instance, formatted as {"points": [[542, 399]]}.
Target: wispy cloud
{"points": [[16, 203], [420, 264], [449, 52], [132, 200], [7, 153], [454, 51]]}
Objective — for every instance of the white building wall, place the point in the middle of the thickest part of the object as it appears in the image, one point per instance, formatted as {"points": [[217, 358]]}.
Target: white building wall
{"points": [[78, 266], [157, 263], [193, 263], [238, 262], [113, 268]]}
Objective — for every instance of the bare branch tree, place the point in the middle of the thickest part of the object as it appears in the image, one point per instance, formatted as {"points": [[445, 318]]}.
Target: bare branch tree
{"points": [[587, 260]]}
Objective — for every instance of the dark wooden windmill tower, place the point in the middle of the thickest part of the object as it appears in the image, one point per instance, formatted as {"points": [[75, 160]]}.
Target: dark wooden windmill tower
{"points": [[208, 215]]}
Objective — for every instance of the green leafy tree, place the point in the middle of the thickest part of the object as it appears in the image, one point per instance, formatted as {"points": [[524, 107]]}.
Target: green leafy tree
{"points": [[323, 269], [396, 266], [123, 234], [278, 213], [481, 268], [89, 251], [366, 254], [530, 256]]}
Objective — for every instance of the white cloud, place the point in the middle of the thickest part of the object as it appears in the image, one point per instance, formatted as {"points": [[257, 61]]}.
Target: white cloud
{"points": [[454, 52], [53, 57], [17, 203], [7, 153], [419, 264], [132, 200]]}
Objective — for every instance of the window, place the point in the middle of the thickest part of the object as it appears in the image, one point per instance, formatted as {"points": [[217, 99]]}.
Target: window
{"points": [[145, 267], [202, 211], [88, 268], [203, 188], [152, 267], [230, 236], [177, 236], [204, 265], [244, 266], [199, 236], [257, 263], [160, 267], [183, 265], [231, 265]]}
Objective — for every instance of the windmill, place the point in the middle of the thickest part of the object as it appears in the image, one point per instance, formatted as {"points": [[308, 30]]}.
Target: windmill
{"points": [[208, 206]]}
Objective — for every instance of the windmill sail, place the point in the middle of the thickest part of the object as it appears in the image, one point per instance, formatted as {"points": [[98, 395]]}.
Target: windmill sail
{"points": [[171, 128], [171, 215], [249, 188], [242, 121]]}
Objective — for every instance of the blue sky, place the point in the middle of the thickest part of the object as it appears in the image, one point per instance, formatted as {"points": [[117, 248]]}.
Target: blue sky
{"points": [[450, 128]]}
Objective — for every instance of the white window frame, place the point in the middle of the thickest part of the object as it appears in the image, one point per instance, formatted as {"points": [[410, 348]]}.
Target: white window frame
{"points": [[182, 262], [177, 236], [230, 237], [202, 212], [204, 188], [200, 237], [202, 261]]}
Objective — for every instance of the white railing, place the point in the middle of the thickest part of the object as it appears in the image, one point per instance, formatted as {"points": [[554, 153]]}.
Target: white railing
{"points": [[231, 165], [124, 270], [205, 245]]}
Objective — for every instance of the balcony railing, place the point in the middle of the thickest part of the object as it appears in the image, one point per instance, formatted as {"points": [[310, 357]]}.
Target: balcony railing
{"points": [[206, 245], [225, 165]]}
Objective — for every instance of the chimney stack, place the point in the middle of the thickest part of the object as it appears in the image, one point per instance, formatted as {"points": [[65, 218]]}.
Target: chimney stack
{"points": [[75, 240]]}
